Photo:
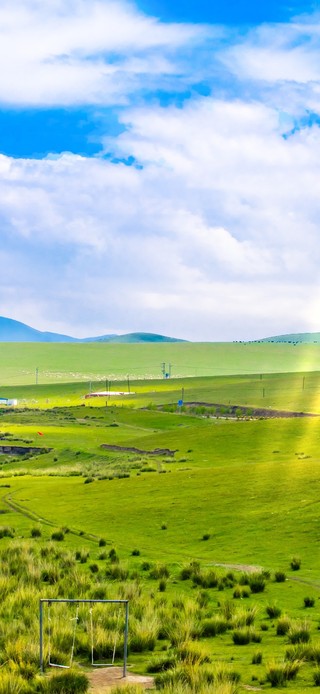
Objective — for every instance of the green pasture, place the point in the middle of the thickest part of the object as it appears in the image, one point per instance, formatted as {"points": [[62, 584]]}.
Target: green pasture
{"points": [[252, 485], [298, 392], [26, 363], [240, 490]]}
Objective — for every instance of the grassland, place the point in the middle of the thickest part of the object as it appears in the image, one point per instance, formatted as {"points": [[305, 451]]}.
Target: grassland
{"points": [[57, 363], [239, 494]]}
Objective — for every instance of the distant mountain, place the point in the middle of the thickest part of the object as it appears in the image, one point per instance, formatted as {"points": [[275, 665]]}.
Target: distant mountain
{"points": [[14, 331], [306, 338], [134, 337]]}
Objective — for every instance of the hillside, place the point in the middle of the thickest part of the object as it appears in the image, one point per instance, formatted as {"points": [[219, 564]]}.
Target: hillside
{"points": [[306, 338], [15, 331], [137, 338]]}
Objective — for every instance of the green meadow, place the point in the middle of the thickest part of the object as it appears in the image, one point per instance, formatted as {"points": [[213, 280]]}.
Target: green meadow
{"points": [[205, 514], [23, 363]]}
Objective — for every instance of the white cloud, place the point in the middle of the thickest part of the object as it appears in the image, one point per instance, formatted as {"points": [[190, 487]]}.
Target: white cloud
{"points": [[84, 52], [215, 236]]}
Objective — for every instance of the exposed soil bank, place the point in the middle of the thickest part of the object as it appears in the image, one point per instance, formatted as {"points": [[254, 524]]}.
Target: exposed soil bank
{"points": [[139, 451], [22, 450], [239, 411]]}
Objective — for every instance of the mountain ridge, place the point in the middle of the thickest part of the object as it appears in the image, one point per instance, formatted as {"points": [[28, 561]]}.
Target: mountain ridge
{"points": [[16, 331]]}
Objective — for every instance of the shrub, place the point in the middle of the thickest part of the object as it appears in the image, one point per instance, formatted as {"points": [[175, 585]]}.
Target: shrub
{"points": [[35, 532], [206, 537], [135, 552], [162, 585], [309, 602], [316, 677], [102, 542], [88, 480], [295, 563]]}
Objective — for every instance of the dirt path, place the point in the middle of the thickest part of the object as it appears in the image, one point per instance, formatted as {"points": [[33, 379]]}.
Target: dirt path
{"points": [[104, 679]]}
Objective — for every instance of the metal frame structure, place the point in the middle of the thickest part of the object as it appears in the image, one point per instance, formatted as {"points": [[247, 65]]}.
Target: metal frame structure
{"points": [[49, 601]]}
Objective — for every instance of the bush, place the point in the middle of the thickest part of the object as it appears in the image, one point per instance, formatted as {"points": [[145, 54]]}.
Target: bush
{"points": [[88, 480], [102, 542], [35, 532], [309, 602], [316, 677], [206, 537], [135, 552]]}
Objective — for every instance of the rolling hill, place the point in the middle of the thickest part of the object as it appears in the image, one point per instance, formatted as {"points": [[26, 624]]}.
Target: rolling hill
{"points": [[15, 331], [306, 338]]}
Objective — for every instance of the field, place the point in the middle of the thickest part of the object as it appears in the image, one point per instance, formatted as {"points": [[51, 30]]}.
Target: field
{"points": [[205, 515], [23, 364]]}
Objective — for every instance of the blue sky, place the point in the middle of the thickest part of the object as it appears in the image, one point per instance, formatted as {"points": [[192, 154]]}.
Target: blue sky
{"points": [[159, 166]]}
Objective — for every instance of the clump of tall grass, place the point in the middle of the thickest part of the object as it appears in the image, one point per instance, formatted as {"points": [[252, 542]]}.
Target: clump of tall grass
{"points": [[280, 577], [257, 582], [160, 663], [278, 674], [159, 571], [244, 616], [295, 563], [304, 651], [193, 652], [299, 632], [214, 625], [273, 610], [243, 636], [283, 625]]}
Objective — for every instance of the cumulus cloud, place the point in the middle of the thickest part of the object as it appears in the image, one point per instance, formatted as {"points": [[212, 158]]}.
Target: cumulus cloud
{"points": [[80, 52], [212, 232]]}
